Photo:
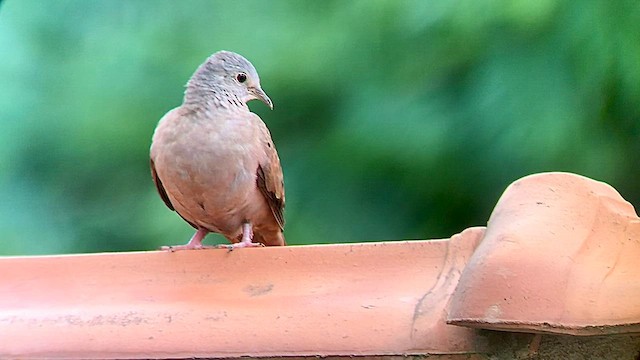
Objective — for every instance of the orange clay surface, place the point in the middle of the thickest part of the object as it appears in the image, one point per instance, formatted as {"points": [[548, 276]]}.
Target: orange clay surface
{"points": [[561, 254], [348, 299]]}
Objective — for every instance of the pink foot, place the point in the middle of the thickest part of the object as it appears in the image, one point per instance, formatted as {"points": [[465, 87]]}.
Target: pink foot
{"points": [[194, 244], [172, 248], [247, 237]]}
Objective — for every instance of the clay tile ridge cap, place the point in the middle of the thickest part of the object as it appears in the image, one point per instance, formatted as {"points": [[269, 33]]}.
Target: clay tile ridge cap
{"points": [[560, 255], [383, 298]]}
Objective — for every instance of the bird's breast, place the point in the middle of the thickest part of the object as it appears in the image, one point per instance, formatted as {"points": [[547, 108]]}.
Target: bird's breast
{"points": [[221, 153], [209, 171]]}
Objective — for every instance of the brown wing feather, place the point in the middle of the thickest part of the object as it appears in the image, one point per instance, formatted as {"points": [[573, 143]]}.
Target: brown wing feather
{"points": [[271, 185], [161, 190]]}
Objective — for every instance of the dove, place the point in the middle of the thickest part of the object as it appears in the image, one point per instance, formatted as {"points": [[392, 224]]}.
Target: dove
{"points": [[213, 161]]}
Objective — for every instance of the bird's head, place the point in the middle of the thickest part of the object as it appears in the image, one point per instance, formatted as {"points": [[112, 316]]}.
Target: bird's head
{"points": [[230, 72]]}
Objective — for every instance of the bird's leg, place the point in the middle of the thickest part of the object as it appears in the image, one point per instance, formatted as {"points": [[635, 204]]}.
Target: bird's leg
{"points": [[194, 244], [247, 239]]}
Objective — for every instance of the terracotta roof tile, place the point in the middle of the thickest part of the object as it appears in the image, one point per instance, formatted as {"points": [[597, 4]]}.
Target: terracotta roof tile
{"points": [[348, 299], [560, 255]]}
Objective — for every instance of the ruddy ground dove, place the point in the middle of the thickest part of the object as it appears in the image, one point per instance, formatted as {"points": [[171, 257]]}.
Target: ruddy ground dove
{"points": [[214, 162]]}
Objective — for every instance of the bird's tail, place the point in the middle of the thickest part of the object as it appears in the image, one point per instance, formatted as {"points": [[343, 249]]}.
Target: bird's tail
{"points": [[270, 239]]}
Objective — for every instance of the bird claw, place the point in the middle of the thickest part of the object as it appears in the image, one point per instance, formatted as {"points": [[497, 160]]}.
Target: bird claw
{"points": [[174, 248], [230, 247], [238, 245]]}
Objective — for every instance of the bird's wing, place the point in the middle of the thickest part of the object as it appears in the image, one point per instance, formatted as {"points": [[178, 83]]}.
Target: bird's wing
{"points": [[161, 190], [270, 179], [168, 119], [163, 193]]}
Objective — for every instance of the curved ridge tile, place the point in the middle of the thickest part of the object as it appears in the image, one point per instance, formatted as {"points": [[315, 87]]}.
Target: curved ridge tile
{"points": [[559, 255]]}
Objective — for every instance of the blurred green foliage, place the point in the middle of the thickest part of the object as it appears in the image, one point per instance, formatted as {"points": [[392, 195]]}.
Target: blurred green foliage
{"points": [[393, 119]]}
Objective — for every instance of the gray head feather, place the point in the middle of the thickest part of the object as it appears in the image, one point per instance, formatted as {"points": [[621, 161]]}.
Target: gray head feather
{"points": [[228, 78]]}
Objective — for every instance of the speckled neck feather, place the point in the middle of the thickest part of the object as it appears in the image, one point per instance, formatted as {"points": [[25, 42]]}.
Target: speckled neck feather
{"points": [[204, 92]]}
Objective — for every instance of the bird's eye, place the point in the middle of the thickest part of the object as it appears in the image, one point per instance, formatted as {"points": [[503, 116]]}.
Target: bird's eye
{"points": [[241, 77]]}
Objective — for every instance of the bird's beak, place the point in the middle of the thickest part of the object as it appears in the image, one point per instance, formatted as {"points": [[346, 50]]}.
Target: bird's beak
{"points": [[262, 96]]}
